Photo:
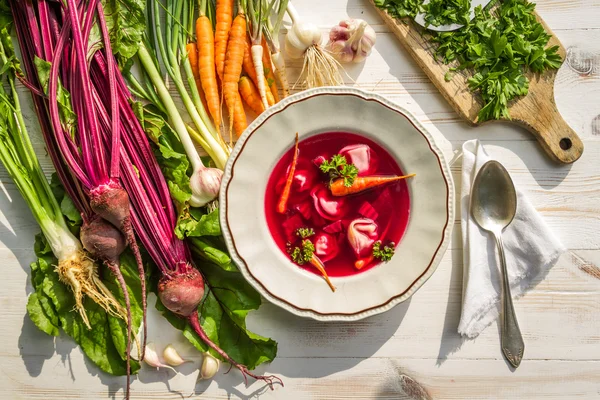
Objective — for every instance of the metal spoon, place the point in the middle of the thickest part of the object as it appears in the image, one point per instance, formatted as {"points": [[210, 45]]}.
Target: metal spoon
{"points": [[493, 206]]}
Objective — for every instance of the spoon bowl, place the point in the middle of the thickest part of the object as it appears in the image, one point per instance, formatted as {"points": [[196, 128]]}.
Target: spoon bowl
{"points": [[494, 199]]}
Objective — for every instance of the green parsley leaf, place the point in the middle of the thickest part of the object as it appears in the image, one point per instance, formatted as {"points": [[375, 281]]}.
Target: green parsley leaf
{"points": [[303, 254], [305, 232], [384, 254], [443, 12], [338, 167]]}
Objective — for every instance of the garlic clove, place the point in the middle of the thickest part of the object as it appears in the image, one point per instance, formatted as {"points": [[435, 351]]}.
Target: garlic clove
{"points": [[172, 357], [205, 184], [209, 368], [152, 359]]}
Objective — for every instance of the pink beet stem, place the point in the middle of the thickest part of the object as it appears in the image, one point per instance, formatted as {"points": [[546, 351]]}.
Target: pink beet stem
{"points": [[116, 128], [194, 321], [92, 151]]}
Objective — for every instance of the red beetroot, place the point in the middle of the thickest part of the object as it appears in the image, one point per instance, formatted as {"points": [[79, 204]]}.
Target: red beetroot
{"points": [[182, 293], [102, 240], [111, 202]]}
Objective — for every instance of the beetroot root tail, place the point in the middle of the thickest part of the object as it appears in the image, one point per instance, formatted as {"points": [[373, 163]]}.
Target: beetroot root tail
{"points": [[128, 231], [114, 268], [269, 379]]}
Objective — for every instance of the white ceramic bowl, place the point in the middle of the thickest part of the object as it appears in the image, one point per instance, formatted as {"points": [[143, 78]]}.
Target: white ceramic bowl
{"points": [[242, 200]]}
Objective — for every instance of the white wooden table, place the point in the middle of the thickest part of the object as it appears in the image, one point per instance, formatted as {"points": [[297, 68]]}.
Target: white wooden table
{"points": [[559, 318]]}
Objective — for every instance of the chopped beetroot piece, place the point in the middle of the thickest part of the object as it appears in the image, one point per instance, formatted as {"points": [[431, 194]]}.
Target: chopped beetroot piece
{"points": [[367, 211], [291, 225], [335, 227]]}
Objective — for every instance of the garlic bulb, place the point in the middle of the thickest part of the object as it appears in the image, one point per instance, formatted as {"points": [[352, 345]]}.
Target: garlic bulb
{"points": [[205, 184], [151, 358], [351, 40], [172, 357], [302, 36], [209, 368]]}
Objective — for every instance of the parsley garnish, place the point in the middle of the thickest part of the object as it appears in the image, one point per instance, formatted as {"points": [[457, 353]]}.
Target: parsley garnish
{"points": [[384, 254], [305, 232], [498, 48], [303, 254], [338, 167]]}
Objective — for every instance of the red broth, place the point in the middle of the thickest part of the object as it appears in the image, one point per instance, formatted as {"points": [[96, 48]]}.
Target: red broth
{"points": [[390, 202]]}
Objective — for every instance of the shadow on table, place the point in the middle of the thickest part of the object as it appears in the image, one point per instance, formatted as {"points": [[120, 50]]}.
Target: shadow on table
{"points": [[451, 340], [18, 232], [312, 338]]}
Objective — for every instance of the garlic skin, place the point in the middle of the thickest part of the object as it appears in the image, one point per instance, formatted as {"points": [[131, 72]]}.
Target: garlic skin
{"points": [[351, 41], [209, 368], [205, 184], [300, 38], [152, 359], [172, 357]]}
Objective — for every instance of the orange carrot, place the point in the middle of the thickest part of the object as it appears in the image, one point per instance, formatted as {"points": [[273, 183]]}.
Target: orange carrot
{"points": [[285, 195], [206, 68], [239, 117], [318, 264], [269, 74], [224, 17], [359, 264], [251, 71], [192, 52], [250, 95], [233, 65], [363, 183]]}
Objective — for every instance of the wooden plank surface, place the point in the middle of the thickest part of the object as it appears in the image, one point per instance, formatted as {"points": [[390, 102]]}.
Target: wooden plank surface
{"points": [[560, 316]]}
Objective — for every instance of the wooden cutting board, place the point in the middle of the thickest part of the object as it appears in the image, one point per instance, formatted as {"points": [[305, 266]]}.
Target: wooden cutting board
{"points": [[537, 111]]}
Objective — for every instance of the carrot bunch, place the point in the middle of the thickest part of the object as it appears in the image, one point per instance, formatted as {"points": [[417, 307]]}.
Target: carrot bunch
{"points": [[232, 65]]}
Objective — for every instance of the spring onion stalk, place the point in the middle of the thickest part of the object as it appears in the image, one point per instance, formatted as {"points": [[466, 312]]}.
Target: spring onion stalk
{"points": [[171, 47], [74, 268], [204, 182]]}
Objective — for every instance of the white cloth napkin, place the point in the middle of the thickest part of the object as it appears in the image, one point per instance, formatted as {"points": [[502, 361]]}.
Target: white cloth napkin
{"points": [[530, 250]]}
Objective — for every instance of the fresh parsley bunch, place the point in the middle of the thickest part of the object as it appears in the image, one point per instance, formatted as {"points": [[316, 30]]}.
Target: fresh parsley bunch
{"points": [[500, 47]]}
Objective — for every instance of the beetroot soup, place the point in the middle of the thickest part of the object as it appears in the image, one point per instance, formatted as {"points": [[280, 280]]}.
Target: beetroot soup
{"points": [[338, 209]]}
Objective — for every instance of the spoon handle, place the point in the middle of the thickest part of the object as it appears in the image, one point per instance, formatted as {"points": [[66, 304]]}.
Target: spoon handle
{"points": [[511, 339]]}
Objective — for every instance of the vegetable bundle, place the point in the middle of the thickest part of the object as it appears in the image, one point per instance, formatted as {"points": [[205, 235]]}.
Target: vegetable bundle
{"points": [[95, 134]]}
